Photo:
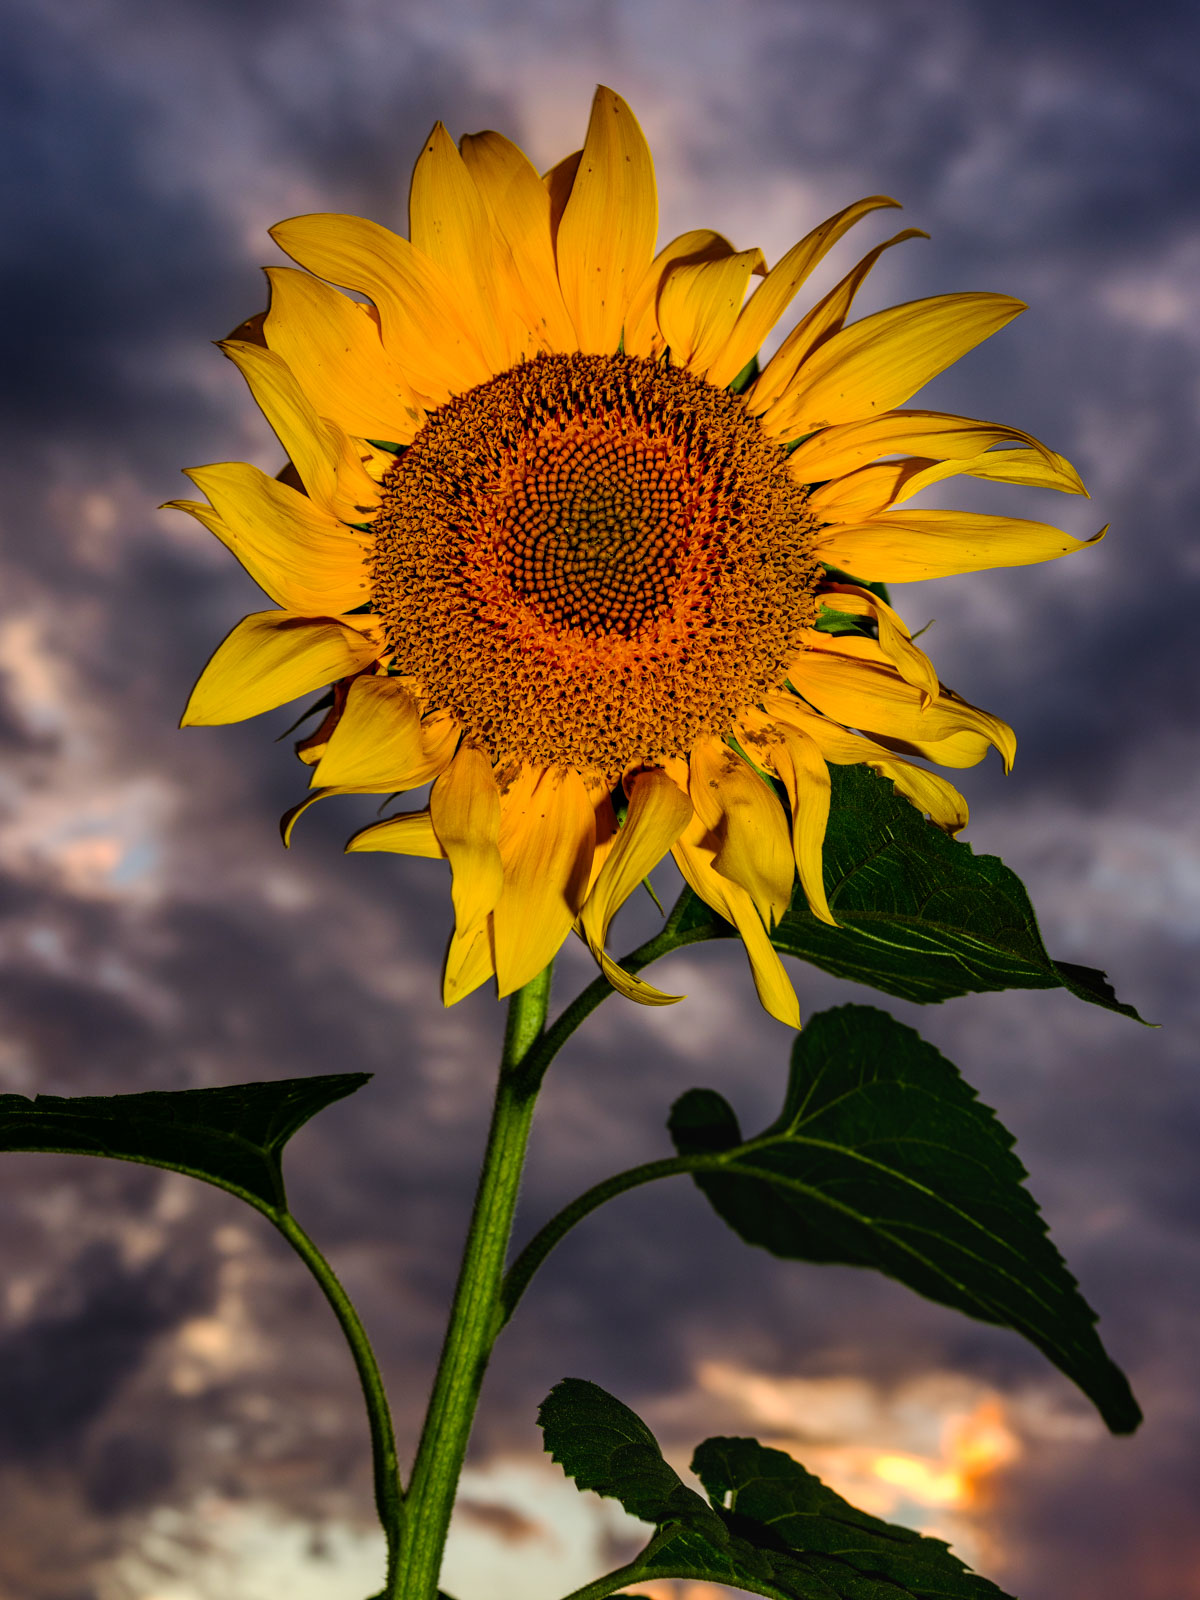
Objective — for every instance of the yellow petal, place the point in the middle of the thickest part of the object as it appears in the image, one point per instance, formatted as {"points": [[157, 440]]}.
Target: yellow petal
{"points": [[642, 335], [547, 833], [851, 680], [770, 395], [332, 345], [699, 305], [519, 205], [606, 236], [409, 834], [869, 491], [422, 328], [607, 828], [779, 287], [747, 824], [865, 492], [913, 665], [928, 791], [906, 546], [272, 657], [320, 451], [836, 451], [658, 813], [694, 859], [289, 819], [449, 223], [380, 745], [465, 807], [470, 961], [797, 761], [878, 362], [1030, 468], [306, 560], [559, 182]]}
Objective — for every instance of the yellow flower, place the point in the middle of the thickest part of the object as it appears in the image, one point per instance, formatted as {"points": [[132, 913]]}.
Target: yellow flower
{"points": [[562, 551]]}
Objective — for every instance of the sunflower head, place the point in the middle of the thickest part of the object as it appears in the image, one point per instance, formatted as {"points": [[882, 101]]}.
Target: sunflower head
{"points": [[557, 547]]}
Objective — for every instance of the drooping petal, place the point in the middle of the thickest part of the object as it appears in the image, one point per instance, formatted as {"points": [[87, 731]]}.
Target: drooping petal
{"points": [[643, 336], [913, 665], [272, 657], [547, 834], [699, 305], [906, 546], [423, 330], [519, 205], [797, 761], [658, 813], [1032, 469], [332, 346], [851, 680], [780, 285], [289, 819], [747, 823], [329, 468], [606, 236], [465, 807], [305, 559], [936, 434], [694, 858], [449, 223], [380, 745], [607, 828], [770, 397], [879, 361], [410, 834], [470, 961], [928, 791]]}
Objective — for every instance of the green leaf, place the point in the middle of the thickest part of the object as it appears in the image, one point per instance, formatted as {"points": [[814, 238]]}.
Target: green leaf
{"points": [[818, 1544], [772, 1527], [920, 916], [608, 1448], [233, 1137], [883, 1157]]}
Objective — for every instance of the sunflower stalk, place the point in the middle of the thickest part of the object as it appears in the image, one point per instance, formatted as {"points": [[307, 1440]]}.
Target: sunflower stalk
{"points": [[476, 1316]]}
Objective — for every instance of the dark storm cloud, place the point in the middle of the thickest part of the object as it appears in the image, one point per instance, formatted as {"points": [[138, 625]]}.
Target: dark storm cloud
{"points": [[60, 1369], [95, 258]]}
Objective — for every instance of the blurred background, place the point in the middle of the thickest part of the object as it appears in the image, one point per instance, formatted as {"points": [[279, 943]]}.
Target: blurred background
{"points": [[178, 1419]]}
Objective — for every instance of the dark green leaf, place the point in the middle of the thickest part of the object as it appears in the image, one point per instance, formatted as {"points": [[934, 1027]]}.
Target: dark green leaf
{"points": [[606, 1447], [883, 1157], [232, 1137], [818, 1544], [920, 916], [772, 1528]]}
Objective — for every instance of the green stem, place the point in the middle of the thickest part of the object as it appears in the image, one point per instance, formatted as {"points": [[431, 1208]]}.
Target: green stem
{"points": [[389, 1497], [475, 1318], [539, 1247]]}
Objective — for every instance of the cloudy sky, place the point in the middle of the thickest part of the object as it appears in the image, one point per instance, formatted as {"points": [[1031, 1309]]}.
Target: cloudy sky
{"points": [[177, 1418]]}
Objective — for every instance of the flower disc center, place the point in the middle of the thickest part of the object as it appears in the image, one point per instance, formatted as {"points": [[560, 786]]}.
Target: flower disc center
{"points": [[594, 526], [592, 560]]}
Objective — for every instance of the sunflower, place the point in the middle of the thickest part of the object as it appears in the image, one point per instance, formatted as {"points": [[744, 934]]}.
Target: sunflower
{"points": [[555, 545]]}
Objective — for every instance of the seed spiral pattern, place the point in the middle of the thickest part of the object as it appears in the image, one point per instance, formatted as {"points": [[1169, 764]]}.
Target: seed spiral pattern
{"points": [[593, 560]]}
